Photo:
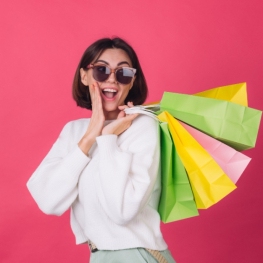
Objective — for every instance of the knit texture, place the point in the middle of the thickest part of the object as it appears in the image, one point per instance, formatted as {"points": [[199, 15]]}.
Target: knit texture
{"points": [[113, 194]]}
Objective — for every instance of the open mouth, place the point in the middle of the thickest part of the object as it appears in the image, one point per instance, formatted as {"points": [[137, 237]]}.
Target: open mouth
{"points": [[109, 93]]}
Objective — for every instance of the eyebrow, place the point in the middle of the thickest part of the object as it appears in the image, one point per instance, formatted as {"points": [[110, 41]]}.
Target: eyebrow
{"points": [[120, 63]]}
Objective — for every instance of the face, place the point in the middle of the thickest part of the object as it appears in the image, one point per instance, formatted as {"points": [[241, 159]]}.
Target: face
{"points": [[112, 92]]}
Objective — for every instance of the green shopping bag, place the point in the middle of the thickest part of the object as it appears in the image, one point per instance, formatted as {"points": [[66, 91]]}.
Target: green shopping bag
{"points": [[177, 201], [233, 124]]}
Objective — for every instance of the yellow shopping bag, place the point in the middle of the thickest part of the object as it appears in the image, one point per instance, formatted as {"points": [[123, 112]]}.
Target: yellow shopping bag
{"points": [[236, 93], [208, 181]]}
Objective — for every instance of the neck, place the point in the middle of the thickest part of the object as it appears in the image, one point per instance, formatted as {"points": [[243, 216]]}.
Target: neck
{"points": [[111, 115]]}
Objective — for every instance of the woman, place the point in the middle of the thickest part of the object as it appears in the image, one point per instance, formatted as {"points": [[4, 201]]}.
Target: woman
{"points": [[106, 168]]}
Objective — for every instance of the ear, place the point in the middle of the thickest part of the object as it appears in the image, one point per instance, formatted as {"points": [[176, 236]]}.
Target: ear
{"points": [[84, 76]]}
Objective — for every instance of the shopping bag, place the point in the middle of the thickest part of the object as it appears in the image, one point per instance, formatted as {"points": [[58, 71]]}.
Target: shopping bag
{"points": [[236, 93], [232, 162], [233, 124], [177, 200], [208, 181]]}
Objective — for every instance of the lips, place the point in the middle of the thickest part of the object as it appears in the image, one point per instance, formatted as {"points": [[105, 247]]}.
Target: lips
{"points": [[109, 93]]}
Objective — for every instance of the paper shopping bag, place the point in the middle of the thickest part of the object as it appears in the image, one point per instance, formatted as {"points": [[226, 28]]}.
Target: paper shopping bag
{"points": [[177, 200], [208, 181], [233, 124], [236, 93], [232, 162]]}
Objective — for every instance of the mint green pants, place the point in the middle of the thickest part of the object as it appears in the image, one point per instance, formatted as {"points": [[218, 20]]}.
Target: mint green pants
{"points": [[133, 255]]}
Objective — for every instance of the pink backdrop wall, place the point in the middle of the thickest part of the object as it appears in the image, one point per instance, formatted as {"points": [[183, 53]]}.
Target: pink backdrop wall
{"points": [[184, 46]]}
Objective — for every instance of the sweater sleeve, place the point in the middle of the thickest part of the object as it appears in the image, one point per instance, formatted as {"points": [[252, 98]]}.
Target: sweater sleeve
{"points": [[54, 183], [126, 178]]}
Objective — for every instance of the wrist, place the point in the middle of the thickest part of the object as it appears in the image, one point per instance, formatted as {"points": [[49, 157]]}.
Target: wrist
{"points": [[86, 143], [107, 131]]}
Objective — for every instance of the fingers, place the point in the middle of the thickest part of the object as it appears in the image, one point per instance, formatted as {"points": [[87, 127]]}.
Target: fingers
{"points": [[131, 117], [97, 117], [92, 93], [95, 96], [94, 89], [121, 114], [129, 105], [120, 125], [128, 117], [123, 107]]}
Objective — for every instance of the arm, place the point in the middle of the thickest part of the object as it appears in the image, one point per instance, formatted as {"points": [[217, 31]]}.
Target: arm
{"points": [[126, 179], [54, 183]]}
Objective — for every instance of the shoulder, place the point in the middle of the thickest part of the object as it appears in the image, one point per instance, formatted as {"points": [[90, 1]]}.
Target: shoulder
{"points": [[145, 122], [144, 128], [142, 135]]}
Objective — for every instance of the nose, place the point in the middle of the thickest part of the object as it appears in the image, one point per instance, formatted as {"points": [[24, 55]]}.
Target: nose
{"points": [[112, 77]]}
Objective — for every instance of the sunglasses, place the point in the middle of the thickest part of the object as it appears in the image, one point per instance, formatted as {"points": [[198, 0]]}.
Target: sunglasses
{"points": [[123, 75]]}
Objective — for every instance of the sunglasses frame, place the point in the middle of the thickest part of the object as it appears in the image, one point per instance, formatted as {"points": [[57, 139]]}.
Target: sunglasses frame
{"points": [[113, 71]]}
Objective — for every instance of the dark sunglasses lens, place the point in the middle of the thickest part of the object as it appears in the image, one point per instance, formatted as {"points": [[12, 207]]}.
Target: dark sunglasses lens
{"points": [[100, 73], [124, 75]]}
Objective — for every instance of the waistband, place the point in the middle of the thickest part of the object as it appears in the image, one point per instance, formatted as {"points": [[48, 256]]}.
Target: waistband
{"points": [[155, 253]]}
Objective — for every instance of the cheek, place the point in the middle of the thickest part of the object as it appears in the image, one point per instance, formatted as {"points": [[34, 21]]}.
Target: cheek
{"points": [[125, 91]]}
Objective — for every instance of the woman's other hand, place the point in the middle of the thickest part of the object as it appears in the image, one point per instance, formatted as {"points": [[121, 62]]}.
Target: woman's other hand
{"points": [[96, 121], [122, 123]]}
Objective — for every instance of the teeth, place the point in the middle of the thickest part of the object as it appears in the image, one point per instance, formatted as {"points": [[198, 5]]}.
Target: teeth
{"points": [[110, 90]]}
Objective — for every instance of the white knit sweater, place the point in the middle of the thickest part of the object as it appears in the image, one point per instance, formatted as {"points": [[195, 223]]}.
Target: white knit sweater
{"points": [[113, 194]]}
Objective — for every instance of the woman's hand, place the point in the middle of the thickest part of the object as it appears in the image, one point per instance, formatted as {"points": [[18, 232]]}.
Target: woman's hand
{"points": [[96, 121], [122, 123]]}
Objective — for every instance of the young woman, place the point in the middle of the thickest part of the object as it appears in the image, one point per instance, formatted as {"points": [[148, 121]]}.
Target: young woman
{"points": [[106, 168]]}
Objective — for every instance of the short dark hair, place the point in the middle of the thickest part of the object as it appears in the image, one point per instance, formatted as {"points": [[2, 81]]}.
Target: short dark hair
{"points": [[80, 92]]}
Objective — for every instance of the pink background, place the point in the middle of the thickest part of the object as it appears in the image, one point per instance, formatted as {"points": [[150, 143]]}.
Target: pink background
{"points": [[184, 46]]}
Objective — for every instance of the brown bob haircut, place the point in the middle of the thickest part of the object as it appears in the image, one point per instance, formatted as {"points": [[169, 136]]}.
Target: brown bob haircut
{"points": [[80, 92]]}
